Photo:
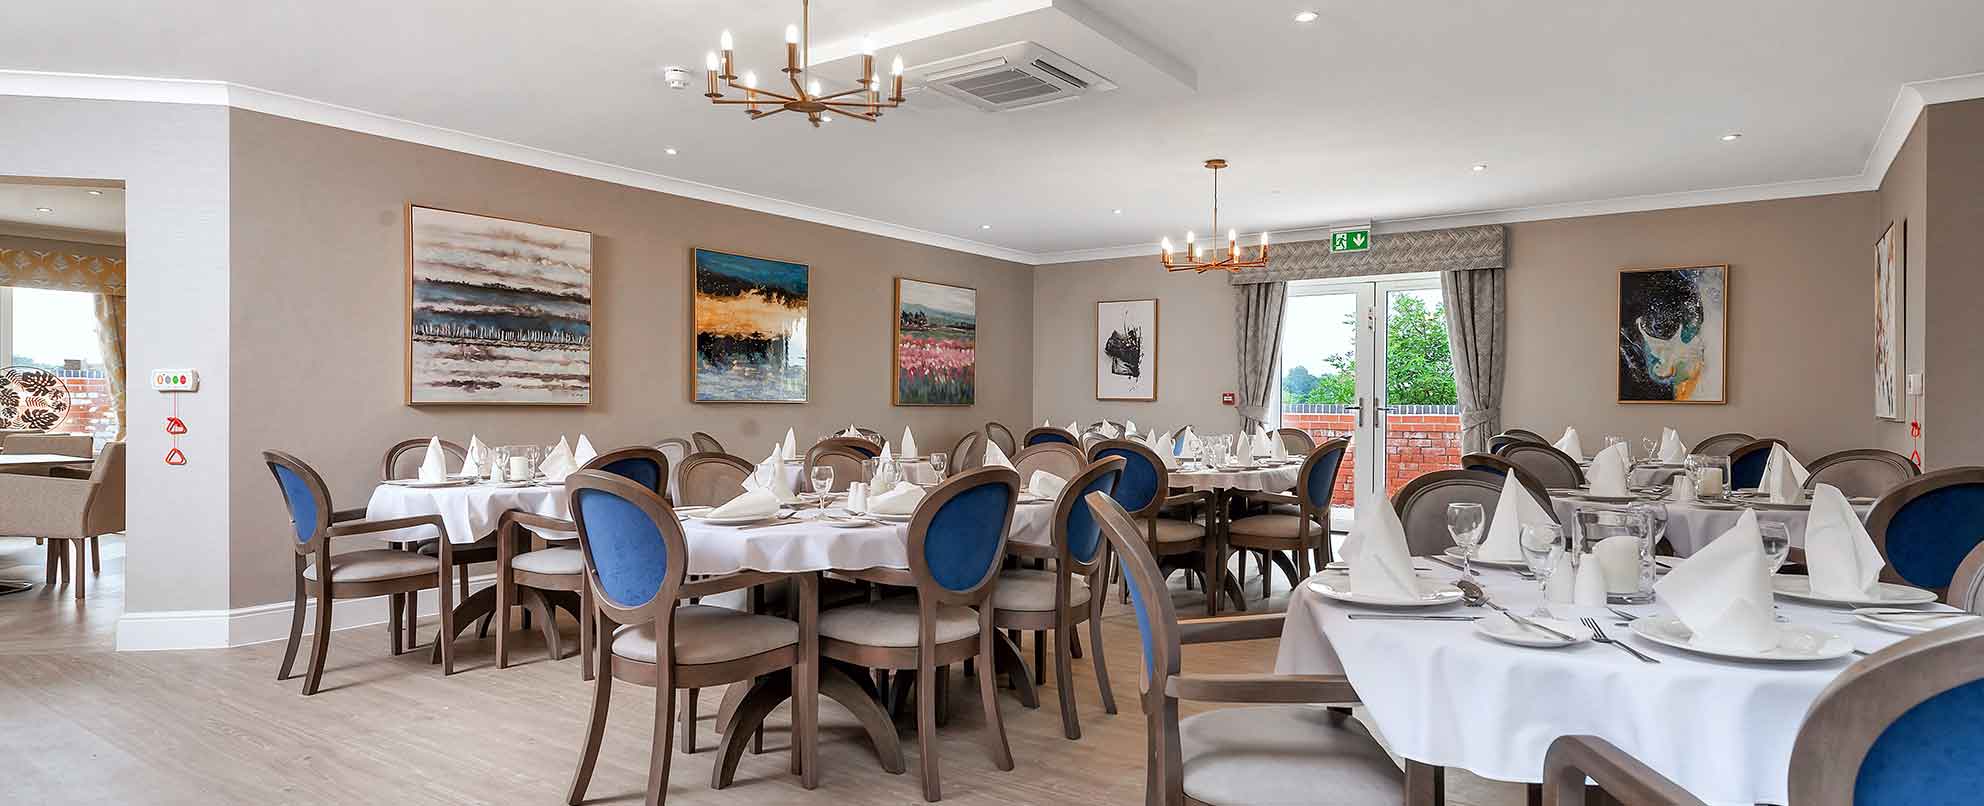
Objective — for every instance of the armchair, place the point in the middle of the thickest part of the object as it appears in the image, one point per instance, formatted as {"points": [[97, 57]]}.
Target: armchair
{"points": [[63, 510]]}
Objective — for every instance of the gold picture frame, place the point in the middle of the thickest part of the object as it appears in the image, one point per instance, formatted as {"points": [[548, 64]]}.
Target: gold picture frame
{"points": [[1631, 360], [951, 384], [697, 379]]}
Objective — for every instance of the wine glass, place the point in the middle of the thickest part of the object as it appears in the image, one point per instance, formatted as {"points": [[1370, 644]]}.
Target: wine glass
{"points": [[938, 461], [1777, 546], [1464, 523], [1611, 440], [1650, 448], [822, 477], [1542, 547]]}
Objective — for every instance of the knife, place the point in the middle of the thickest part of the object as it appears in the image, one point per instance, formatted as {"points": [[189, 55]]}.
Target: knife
{"points": [[1402, 617]]}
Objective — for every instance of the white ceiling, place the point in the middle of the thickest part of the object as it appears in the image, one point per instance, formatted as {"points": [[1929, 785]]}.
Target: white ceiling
{"points": [[74, 212], [1376, 111]]}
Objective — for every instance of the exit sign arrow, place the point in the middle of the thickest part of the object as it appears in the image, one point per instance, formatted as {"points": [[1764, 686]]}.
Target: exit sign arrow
{"points": [[1351, 240]]}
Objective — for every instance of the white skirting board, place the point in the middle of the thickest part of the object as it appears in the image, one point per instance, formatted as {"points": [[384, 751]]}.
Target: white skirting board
{"points": [[219, 629]]}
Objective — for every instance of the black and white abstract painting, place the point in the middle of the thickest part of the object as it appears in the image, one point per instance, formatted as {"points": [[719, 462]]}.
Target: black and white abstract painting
{"points": [[1126, 349], [1674, 335]]}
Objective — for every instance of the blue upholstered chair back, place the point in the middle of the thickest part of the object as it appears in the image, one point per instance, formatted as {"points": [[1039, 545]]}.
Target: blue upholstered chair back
{"points": [[641, 470], [1926, 526], [959, 532], [1142, 485], [1916, 710], [1083, 530], [1319, 474], [630, 552], [1040, 435], [304, 497], [1930, 755], [1747, 463]]}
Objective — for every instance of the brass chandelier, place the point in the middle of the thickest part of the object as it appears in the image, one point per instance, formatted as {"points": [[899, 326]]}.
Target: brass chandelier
{"points": [[864, 102], [1232, 261]]}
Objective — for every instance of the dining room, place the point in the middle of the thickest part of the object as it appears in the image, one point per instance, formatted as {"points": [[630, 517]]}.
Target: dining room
{"points": [[1133, 402]]}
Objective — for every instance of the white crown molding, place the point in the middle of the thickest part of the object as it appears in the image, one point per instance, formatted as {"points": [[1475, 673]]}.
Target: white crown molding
{"points": [[256, 624], [255, 99], [1907, 107], [22, 229]]}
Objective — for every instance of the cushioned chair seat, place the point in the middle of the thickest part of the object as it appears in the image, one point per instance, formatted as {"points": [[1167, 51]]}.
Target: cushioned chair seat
{"points": [[1171, 531], [550, 561], [892, 623], [1285, 754], [1033, 591], [705, 634], [374, 565], [1274, 525]]}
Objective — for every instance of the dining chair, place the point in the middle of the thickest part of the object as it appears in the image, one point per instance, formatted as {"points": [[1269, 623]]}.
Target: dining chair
{"points": [[558, 568], [1422, 505], [1967, 584], [873, 437], [1490, 463], [1550, 467], [77, 445], [676, 449], [1284, 749], [1499, 441], [1067, 594], [1867, 472], [1901, 726], [1527, 434], [64, 510], [860, 445], [704, 443], [968, 455], [1928, 525], [1306, 533], [361, 574], [844, 459], [711, 479], [957, 542], [1722, 444], [1485, 461], [1048, 433], [403, 459], [635, 557], [1002, 437], [1747, 462], [1058, 458], [1296, 441], [1145, 490]]}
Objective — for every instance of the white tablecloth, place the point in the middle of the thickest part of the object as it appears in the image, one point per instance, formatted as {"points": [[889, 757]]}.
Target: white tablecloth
{"points": [[918, 471], [469, 512], [1273, 479], [1690, 526], [1442, 695]]}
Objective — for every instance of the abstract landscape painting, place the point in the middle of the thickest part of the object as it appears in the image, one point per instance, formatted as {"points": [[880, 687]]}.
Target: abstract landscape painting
{"points": [[500, 311], [1126, 349], [1673, 335], [1890, 271], [936, 351], [750, 320]]}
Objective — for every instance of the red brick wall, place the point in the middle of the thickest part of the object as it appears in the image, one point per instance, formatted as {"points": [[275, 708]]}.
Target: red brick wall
{"points": [[91, 410], [1418, 444]]}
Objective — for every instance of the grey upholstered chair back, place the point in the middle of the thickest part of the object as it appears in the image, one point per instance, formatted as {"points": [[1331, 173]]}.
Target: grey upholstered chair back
{"points": [[1003, 437], [968, 454], [1526, 435], [1967, 587], [711, 479], [1058, 458], [59, 444], [1867, 472], [1547, 465], [1296, 441], [676, 449], [1422, 505], [1723, 444], [845, 461], [402, 461], [704, 443]]}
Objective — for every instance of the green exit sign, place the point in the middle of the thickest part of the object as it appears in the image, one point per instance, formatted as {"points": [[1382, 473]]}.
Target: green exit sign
{"points": [[1350, 240]]}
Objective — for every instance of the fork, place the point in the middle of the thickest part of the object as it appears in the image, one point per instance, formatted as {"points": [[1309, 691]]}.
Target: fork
{"points": [[1598, 634]]}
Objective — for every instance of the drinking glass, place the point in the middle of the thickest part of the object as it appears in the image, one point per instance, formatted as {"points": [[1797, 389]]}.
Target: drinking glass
{"points": [[1542, 546], [822, 477], [1777, 543], [1617, 440], [938, 461], [1710, 474], [1464, 523], [1650, 448]]}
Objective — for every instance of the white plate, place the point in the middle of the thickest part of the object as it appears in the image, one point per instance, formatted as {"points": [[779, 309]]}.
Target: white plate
{"points": [[1797, 643], [692, 510], [852, 522], [1504, 629], [735, 520], [1912, 622], [890, 518], [1336, 585], [509, 485], [1453, 553], [428, 485], [1885, 593], [1341, 566]]}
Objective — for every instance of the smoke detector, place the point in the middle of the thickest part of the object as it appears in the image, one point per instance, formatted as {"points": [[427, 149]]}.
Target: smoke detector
{"points": [[677, 78]]}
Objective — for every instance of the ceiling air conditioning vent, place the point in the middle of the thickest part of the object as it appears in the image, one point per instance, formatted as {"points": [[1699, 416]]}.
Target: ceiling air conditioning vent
{"points": [[1015, 76]]}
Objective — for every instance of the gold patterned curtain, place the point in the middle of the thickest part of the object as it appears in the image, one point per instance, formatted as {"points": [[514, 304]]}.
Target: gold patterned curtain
{"points": [[101, 276], [110, 334]]}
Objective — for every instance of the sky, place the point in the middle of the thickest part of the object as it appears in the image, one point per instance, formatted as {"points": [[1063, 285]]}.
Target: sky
{"points": [[1316, 327], [50, 326]]}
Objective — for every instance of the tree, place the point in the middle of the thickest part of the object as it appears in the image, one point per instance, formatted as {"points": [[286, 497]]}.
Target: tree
{"points": [[1297, 382], [1419, 367]]}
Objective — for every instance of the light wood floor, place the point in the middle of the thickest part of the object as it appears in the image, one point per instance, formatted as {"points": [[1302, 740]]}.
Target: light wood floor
{"points": [[81, 724]]}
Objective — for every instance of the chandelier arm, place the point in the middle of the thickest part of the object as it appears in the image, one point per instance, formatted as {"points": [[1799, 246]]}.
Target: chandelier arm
{"points": [[767, 113], [843, 94], [855, 115], [769, 95]]}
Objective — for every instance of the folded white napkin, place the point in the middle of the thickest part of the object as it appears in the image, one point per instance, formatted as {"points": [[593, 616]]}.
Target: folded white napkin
{"points": [[1264, 443], [1046, 423], [1380, 565], [1189, 444], [1111, 431], [900, 500], [886, 470], [434, 466], [1841, 559], [1514, 510], [748, 504], [852, 431], [1723, 592], [1608, 472], [1074, 428], [1672, 450], [857, 496], [584, 452], [769, 478], [1130, 427], [1166, 449], [995, 457], [1243, 453], [1045, 485], [790, 449], [1783, 474], [559, 463], [1682, 489], [909, 443], [1277, 450], [476, 464], [1569, 443]]}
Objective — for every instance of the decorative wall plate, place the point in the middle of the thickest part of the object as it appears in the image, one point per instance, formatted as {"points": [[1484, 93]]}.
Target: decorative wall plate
{"points": [[32, 398]]}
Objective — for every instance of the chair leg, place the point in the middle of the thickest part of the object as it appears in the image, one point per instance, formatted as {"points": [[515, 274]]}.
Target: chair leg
{"points": [[505, 592], [96, 556], [54, 561], [395, 611], [926, 724], [689, 721], [76, 570], [1267, 574], [988, 695], [586, 637], [943, 695], [295, 627], [1064, 678], [1039, 658], [1095, 651], [663, 751], [602, 694], [412, 620], [1213, 582], [320, 643], [447, 637]]}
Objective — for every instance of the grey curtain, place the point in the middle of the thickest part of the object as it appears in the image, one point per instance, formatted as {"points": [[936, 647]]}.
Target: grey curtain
{"points": [[1476, 310], [1259, 321]]}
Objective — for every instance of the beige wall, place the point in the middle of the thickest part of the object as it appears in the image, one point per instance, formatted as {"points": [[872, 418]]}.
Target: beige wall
{"points": [[1904, 197], [1195, 347], [319, 318], [1953, 433]]}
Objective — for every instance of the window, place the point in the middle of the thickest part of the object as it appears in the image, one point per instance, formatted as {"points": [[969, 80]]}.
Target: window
{"points": [[56, 331]]}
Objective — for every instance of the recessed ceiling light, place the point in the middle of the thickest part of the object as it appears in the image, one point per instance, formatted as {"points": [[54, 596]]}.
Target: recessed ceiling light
{"points": [[1732, 137], [985, 226], [1480, 166], [668, 151], [1306, 16], [96, 193], [44, 209], [1117, 211]]}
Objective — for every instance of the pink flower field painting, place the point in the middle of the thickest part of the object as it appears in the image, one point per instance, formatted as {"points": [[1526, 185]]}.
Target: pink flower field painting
{"points": [[936, 344]]}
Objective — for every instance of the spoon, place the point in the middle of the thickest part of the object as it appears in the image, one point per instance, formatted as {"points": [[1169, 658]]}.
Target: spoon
{"points": [[1474, 596]]}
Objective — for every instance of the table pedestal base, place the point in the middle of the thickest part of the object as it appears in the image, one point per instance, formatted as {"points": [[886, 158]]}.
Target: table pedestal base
{"points": [[10, 586], [739, 722]]}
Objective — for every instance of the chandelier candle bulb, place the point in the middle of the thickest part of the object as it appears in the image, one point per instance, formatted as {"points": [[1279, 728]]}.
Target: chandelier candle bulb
{"points": [[1232, 243], [896, 68], [806, 95], [714, 90], [729, 48]]}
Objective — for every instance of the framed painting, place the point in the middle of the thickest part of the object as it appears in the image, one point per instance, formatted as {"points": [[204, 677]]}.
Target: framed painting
{"points": [[749, 316], [936, 344], [1126, 349], [1890, 301], [1674, 335], [498, 311]]}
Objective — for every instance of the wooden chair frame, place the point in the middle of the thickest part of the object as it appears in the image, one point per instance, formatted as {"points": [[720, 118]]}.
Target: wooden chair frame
{"points": [[1526, 434], [400, 449], [1891, 504], [333, 523], [1734, 439], [664, 675], [1003, 437], [1303, 439], [1902, 464], [1071, 451], [692, 465], [704, 443], [1967, 586], [1213, 559], [1409, 495], [967, 455], [1061, 434], [1306, 547], [1743, 451], [860, 445], [1570, 462], [834, 449]]}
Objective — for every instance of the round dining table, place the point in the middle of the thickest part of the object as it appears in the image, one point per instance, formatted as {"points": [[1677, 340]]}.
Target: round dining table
{"points": [[1691, 525], [1442, 694], [1225, 483]]}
